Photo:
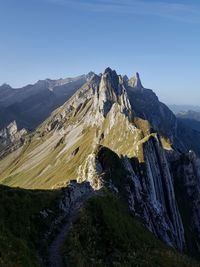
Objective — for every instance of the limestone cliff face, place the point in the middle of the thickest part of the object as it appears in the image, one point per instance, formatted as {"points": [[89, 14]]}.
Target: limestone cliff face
{"points": [[11, 138], [149, 191], [100, 93], [135, 82], [186, 173], [157, 203], [112, 89], [163, 191], [10, 134]]}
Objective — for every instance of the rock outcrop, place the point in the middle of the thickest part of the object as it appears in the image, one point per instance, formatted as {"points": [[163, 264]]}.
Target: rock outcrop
{"points": [[11, 134], [11, 138], [135, 83]]}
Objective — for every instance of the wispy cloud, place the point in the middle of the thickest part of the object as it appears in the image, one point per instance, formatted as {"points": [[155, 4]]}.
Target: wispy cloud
{"points": [[176, 11]]}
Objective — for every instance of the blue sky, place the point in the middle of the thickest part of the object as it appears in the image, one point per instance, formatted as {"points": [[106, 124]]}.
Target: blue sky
{"points": [[59, 38]]}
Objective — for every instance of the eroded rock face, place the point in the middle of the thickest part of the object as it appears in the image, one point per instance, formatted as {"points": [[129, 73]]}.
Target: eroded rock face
{"points": [[157, 203], [100, 93], [11, 138], [135, 82], [91, 172], [112, 89], [149, 191], [164, 191], [73, 194], [11, 134], [186, 173]]}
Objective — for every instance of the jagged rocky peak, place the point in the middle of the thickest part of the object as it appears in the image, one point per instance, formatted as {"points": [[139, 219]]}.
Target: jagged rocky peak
{"points": [[111, 72], [110, 83], [135, 82], [126, 79], [9, 131], [138, 81], [112, 89], [90, 75], [101, 94]]}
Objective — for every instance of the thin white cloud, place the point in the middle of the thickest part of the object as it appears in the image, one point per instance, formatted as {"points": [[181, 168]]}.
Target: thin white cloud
{"points": [[177, 11]]}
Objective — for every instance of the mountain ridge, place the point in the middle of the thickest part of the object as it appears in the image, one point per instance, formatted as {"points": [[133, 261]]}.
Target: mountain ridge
{"points": [[108, 94], [113, 134], [32, 104]]}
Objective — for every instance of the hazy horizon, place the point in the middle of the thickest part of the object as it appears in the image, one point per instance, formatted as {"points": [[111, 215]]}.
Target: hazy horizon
{"points": [[62, 38]]}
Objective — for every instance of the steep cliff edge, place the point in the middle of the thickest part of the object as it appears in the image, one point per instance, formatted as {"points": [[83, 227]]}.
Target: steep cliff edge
{"points": [[156, 191]]}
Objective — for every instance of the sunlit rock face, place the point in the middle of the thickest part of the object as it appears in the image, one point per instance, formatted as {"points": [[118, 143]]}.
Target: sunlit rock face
{"points": [[11, 138], [10, 134], [135, 83], [112, 89]]}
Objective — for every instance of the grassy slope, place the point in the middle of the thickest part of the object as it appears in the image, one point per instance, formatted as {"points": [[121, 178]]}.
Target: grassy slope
{"points": [[20, 225], [43, 161], [37, 165], [103, 235], [60, 169], [106, 235]]}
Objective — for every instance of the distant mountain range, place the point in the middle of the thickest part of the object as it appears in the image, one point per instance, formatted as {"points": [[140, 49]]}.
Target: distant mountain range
{"points": [[193, 115], [188, 115], [183, 108], [32, 104], [190, 118]]}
